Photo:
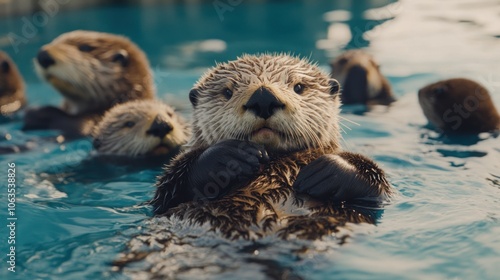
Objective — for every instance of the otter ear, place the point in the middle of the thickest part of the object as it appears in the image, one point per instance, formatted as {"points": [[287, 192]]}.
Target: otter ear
{"points": [[193, 96], [334, 87], [5, 67], [122, 57]]}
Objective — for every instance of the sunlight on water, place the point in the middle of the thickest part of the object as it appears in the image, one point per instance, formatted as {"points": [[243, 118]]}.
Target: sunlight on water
{"points": [[78, 215]]}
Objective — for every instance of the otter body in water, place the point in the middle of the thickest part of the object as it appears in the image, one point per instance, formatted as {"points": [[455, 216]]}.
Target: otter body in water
{"points": [[265, 129], [459, 106]]}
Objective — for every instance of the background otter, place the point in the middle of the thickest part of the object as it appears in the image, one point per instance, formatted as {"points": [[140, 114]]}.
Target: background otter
{"points": [[12, 96], [93, 71], [459, 106], [361, 79], [261, 131], [139, 128]]}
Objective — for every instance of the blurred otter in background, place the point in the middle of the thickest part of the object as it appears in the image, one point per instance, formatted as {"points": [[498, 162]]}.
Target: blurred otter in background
{"points": [[459, 106], [361, 80], [12, 96], [93, 71]]}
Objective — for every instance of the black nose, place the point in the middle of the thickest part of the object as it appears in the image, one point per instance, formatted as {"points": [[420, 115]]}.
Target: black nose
{"points": [[263, 103], [159, 128], [355, 89], [44, 59]]}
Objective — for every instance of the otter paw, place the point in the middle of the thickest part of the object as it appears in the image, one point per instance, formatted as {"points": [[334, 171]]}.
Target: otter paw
{"points": [[331, 177], [42, 117], [225, 166]]}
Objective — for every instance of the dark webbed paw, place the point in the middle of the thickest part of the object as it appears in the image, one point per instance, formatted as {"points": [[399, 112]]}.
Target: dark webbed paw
{"points": [[225, 166], [343, 176]]}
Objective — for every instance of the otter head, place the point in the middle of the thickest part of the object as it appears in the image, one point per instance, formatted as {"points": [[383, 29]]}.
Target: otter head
{"points": [[459, 105], [94, 70], [279, 101], [361, 79], [140, 128], [11, 86]]}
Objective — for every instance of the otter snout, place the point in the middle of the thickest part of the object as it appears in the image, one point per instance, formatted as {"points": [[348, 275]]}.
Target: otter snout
{"points": [[44, 59], [263, 103], [159, 128]]}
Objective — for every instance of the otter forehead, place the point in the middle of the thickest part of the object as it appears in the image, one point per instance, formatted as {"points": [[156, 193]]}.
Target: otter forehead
{"points": [[138, 111], [94, 39], [251, 70]]}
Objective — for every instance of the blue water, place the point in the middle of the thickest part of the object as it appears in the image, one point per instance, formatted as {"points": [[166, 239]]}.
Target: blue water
{"points": [[77, 215]]}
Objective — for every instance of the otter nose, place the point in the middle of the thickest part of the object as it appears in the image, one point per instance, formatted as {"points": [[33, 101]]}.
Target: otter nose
{"points": [[263, 103], [159, 128], [44, 59]]}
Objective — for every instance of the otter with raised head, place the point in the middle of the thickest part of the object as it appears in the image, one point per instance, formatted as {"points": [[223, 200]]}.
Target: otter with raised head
{"points": [[12, 97], [361, 79], [140, 128], [93, 71], [266, 133], [459, 106]]}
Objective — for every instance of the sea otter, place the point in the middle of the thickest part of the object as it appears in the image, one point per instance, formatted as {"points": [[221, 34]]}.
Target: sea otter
{"points": [[459, 106], [93, 71], [361, 79], [265, 154], [140, 128], [12, 97]]}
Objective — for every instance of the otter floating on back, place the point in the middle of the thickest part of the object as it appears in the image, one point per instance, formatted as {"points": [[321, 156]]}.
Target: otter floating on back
{"points": [[93, 71], [12, 97], [140, 128], [361, 79], [265, 129], [459, 106]]}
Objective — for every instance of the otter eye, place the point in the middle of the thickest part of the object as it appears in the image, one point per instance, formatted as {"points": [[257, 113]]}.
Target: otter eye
{"points": [[439, 91], [86, 48], [342, 61], [170, 114], [299, 88], [228, 93], [121, 57], [129, 124], [5, 66]]}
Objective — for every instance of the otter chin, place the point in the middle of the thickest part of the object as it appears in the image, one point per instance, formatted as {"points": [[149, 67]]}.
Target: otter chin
{"points": [[265, 156], [265, 136]]}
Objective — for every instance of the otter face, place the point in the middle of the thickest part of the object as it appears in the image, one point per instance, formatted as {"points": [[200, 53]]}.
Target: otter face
{"points": [[279, 101], [459, 105], [359, 75], [97, 69], [140, 128]]}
